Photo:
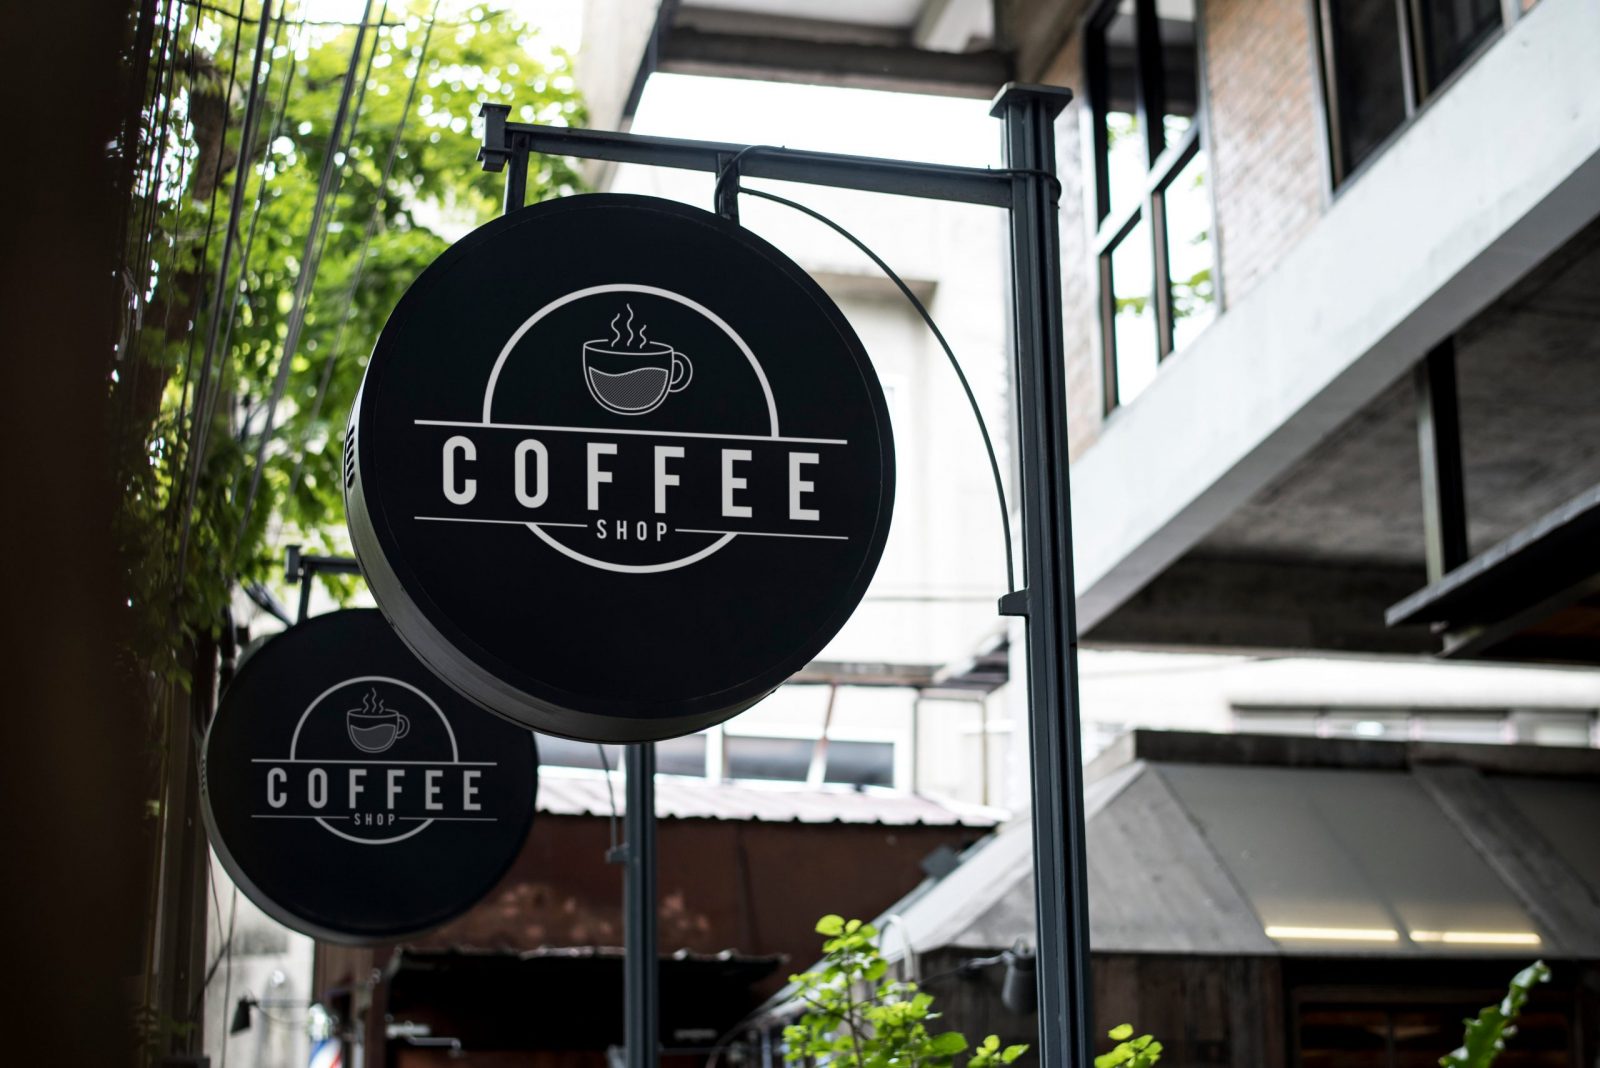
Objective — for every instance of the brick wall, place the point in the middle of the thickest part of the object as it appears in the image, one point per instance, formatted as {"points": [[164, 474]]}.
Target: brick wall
{"points": [[1267, 164]]}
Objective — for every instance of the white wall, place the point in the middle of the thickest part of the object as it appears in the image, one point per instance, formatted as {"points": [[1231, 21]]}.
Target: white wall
{"points": [[268, 962]]}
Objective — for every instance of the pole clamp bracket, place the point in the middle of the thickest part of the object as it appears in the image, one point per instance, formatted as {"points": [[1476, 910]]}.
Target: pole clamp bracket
{"points": [[725, 196], [1014, 603]]}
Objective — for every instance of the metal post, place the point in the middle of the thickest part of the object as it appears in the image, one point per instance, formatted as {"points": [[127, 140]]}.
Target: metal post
{"points": [[1444, 493], [641, 1029], [1029, 113]]}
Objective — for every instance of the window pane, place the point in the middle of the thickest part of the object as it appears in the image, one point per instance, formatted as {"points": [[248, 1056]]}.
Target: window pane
{"points": [[565, 753], [682, 756], [1390, 725], [1452, 29], [1189, 255], [1124, 165], [787, 759], [1274, 721], [1489, 729], [1552, 728], [1180, 62], [675, 756], [1367, 76], [860, 763], [1133, 313]]}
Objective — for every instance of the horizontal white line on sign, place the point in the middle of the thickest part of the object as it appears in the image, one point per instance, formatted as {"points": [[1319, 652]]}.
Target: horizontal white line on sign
{"points": [[280, 816], [505, 522], [423, 763], [450, 819], [764, 534], [642, 433]]}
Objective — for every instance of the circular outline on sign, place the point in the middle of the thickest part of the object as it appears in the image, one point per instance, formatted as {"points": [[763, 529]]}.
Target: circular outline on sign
{"points": [[455, 750], [657, 291]]}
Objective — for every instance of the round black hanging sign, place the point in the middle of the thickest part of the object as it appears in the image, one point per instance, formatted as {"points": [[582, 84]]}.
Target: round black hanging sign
{"points": [[618, 468], [351, 794]]}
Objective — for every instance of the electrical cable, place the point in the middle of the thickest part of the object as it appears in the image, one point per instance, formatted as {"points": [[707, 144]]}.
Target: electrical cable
{"points": [[136, 242], [955, 364], [211, 218], [366, 243], [488, 16], [302, 294], [203, 411], [341, 153], [226, 346], [163, 98]]}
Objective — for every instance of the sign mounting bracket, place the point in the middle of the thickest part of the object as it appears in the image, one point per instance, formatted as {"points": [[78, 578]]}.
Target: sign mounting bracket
{"points": [[1027, 189]]}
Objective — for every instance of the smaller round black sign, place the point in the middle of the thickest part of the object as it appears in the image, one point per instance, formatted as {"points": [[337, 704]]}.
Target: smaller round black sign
{"points": [[352, 795]]}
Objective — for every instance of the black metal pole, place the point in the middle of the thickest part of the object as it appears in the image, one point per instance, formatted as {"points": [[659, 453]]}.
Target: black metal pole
{"points": [[641, 1029], [1060, 874]]}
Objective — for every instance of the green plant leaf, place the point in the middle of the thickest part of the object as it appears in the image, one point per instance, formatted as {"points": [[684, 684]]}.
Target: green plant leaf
{"points": [[830, 925], [1484, 1039]]}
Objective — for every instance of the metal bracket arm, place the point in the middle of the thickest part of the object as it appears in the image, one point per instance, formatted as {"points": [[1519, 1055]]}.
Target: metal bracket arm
{"points": [[504, 140]]}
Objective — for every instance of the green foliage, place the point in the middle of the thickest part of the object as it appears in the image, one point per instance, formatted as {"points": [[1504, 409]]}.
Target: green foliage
{"points": [[1141, 1052], [185, 548], [858, 1018], [1486, 1033]]}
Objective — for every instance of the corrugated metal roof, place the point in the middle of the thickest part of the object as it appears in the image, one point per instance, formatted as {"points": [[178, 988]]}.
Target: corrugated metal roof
{"points": [[578, 794], [1303, 850]]}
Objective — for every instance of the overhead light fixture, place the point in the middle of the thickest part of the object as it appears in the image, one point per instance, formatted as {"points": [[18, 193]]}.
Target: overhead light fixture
{"points": [[1333, 934], [1477, 938]]}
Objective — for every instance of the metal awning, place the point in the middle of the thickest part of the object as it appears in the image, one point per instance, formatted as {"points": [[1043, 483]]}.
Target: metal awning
{"points": [[1256, 845]]}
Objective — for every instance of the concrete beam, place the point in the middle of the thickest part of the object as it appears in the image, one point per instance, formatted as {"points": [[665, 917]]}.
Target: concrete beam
{"points": [[901, 68], [1494, 175], [1275, 606]]}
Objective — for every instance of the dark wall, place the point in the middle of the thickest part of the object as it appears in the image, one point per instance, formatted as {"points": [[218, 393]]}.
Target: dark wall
{"points": [[758, 888], [1271, 1012], [1205, 1011], [71, 780]]}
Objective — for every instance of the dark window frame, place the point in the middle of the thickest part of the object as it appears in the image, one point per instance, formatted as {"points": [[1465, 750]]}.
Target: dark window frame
{"points": [[1164, 162], [1417, 87]]}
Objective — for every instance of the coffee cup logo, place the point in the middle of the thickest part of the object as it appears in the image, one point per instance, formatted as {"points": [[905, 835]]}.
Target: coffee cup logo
{"points": [[628, 373], [373, 727]]}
